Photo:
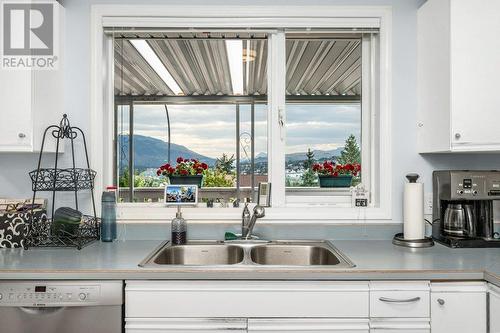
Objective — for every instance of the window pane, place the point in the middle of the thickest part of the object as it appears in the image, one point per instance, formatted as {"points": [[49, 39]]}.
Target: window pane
{"points": [[317, 133], [214, 86], [253, 170], [323, 116], [122, 152]]}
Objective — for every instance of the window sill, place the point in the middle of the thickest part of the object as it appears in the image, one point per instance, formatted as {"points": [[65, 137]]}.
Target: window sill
{"points": [[150, 212]]}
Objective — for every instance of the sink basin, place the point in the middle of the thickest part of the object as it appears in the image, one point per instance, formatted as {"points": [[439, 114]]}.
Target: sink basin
{"points": [[200, 254], [293, 255], [252, 253]]}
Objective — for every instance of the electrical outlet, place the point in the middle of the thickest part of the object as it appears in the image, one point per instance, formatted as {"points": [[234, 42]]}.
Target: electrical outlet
{"points": [[428, 203]]}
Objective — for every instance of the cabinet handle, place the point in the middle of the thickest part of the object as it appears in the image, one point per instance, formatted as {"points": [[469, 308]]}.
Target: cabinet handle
{"points": [[458, 136], [21, 135], [440, 301], [394, 300]]}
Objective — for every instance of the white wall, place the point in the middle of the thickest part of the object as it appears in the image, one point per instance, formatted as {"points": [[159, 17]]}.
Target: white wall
{"points": [[14, 181]]}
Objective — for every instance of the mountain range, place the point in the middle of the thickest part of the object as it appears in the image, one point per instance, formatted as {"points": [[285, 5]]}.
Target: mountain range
{"points": [[151, 153], [295, 157]]}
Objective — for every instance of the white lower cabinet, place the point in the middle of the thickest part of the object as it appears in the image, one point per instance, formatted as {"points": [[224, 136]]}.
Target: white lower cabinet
{"points": [[494, 309], [399, 307], [246, 299], [400, 325], [458, 307], [308, 325], [310, 307], [186, 325]]}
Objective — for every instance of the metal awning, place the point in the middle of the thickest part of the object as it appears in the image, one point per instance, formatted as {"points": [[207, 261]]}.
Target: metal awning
{"points": [[199, 64]]}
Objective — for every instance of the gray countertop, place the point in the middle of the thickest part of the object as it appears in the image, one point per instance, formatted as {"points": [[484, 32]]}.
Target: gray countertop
{"points": [[373, 259]]}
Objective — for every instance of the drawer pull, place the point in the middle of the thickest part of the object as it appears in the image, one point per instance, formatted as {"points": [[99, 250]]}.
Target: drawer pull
{"points": [[394, 300], [440, 301]]}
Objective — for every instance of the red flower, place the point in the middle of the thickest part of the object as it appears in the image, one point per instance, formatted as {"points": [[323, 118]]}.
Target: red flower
{"points": [[184, 167], [335, 174]]}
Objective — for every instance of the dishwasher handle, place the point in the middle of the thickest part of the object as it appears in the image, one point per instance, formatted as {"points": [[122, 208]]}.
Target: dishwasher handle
{"points": [[39, 310]]}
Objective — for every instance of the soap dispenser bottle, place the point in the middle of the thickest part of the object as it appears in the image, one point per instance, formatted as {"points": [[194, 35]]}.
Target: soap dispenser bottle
{"points": [[179, 228]]}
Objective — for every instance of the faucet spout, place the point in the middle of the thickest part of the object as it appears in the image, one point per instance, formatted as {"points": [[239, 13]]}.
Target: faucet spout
{"points": [[258, 212]]}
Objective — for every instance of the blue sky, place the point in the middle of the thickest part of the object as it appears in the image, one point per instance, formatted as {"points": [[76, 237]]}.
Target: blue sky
{"points": [[210, 129]]}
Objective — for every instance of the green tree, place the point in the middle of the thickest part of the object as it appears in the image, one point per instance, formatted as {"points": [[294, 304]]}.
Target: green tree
{"points": [[225, 163], [218, 178], [351, 153], [308, 163], [139, 179], [309, 177]]}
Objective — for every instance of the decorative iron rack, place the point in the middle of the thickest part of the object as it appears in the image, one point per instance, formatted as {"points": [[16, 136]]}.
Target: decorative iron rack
{"points": [[42, 232]]}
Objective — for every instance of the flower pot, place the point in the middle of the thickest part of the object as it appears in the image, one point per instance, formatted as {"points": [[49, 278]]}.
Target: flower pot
{"points": [[338, 181], [186, 180]]}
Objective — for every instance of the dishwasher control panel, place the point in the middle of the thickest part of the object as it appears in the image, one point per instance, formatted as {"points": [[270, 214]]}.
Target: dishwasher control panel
{"points": [[47, 293]]}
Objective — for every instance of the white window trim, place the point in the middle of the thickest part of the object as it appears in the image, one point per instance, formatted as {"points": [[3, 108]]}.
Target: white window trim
{"points": [[275, 17]]}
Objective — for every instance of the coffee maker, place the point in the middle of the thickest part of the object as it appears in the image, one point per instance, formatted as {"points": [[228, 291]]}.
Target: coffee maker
{"points": [[462, 210]]}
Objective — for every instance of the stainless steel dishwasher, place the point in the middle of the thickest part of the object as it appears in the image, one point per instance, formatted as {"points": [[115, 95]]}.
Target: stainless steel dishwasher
{"points": [[61, 306]]}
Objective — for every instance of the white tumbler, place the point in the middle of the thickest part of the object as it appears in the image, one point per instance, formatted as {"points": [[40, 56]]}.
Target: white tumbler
{"points": [[413, 209]]}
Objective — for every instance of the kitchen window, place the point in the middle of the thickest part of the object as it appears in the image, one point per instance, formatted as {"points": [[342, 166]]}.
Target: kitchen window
{"points": [[300, 97]]}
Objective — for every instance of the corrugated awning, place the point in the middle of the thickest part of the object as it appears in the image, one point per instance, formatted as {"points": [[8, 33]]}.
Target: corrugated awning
{"points": [[199, 64]]}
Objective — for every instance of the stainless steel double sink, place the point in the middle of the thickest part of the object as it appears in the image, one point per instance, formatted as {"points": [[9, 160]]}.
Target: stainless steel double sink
{"points": [[248, 253]]}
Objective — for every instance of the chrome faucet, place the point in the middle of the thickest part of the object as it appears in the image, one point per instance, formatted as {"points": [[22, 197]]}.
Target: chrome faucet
{"points": [[247, 224], [245, 220]]}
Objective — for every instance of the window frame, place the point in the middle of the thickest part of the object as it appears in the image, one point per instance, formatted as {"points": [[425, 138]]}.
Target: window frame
{"points": [[273, 19]]}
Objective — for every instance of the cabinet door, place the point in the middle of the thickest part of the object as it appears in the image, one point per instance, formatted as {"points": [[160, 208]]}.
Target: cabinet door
{"points": [[475, 50], [186, 325], [310, 325], [16, 121], [249, 299], [459, 310], [494, 309]]}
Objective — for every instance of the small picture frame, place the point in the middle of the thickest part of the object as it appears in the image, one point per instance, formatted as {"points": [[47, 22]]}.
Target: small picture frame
{"points": [[181, 195], [264, 195]]}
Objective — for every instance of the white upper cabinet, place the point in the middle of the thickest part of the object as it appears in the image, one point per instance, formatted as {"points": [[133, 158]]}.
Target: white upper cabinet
{"points": [[458, 71], [32, 99]]}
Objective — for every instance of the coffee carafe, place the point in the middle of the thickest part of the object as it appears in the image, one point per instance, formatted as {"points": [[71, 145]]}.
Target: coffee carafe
{"points": [[459, 220]]}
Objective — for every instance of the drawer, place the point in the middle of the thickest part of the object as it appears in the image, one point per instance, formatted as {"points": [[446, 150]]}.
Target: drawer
{"points": [[308, 325], [399, 300], [400, 325], [186, 325], [236, 299]]}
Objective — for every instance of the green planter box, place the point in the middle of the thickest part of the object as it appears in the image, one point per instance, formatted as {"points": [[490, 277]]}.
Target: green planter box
{"points": [[331, 181], [186, 180]]}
